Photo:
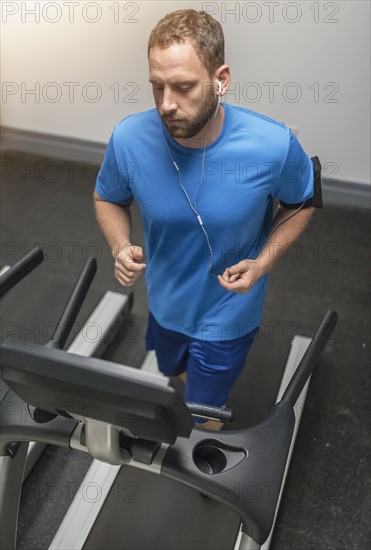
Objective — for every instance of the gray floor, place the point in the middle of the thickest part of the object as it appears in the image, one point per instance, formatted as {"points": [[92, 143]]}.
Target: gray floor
{"points": [[326, 501]]}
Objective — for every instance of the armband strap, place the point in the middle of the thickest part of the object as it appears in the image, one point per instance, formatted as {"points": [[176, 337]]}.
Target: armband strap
{"points": [[316, 200]]}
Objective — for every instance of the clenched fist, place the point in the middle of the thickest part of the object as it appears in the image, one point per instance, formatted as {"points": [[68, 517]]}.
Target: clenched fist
{"points": [[127, 266]]}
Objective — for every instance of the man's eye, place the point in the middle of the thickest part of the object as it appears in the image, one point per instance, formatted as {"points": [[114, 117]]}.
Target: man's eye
{"points": [[184, 89]]}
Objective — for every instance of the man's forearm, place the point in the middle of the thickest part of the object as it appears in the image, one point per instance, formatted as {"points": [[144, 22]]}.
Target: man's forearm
{"points": [[282, 237], [115, 223]]}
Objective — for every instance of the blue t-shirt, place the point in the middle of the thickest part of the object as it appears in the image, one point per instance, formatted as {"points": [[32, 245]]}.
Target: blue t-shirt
{"points": [[254, 160]]}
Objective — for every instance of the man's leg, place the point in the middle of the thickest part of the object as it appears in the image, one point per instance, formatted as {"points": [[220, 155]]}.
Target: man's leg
{"points": [[210, 424], [212, 370], [213, 425]]}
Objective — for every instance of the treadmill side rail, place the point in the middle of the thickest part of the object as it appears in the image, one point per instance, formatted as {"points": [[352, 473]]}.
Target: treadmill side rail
{"points": [[18, 425], [11, 477]]}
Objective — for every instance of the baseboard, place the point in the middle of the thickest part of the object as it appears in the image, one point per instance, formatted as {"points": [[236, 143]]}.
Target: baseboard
{"points": [[344, 192], [49, 145]]}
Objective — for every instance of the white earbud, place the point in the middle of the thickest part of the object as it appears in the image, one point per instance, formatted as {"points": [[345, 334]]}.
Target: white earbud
{"points": [[219, 86]]}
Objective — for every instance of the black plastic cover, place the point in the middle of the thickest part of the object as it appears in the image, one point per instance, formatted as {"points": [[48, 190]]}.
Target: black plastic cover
{"points": [[251, 486], [54, 380]]}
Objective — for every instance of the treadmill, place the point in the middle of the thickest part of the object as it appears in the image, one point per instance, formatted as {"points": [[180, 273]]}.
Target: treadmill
{"points": [[135, 424]]}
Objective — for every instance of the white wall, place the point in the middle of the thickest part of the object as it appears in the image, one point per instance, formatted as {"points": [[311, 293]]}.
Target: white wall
{"points": [[318, 50]]}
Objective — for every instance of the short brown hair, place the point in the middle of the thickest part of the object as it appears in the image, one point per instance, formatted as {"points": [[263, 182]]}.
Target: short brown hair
{"points": [[204, 30]]}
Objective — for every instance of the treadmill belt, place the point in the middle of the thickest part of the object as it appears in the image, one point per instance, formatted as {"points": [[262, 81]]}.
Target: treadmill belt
{"points": [[146, 511]]}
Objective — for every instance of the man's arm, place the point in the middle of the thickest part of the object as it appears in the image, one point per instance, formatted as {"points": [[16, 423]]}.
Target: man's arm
{"points": [[287, 232], [241, 277], [115, 223]]}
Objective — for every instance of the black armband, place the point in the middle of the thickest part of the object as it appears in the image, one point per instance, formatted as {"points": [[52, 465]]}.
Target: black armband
{"points": [[316, 200]]}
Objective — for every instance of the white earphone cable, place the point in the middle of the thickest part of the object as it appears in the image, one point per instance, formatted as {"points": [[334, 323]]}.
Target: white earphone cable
{"points": [[194, 208]]}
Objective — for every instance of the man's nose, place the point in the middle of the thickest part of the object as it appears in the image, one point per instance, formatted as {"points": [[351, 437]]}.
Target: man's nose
{"points": [[168, 103]]}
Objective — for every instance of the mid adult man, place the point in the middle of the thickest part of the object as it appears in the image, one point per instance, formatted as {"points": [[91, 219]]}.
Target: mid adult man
{"points": [[204, 175]]}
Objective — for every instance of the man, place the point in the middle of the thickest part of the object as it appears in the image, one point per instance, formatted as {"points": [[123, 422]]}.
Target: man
{"points": [[204, 176]]}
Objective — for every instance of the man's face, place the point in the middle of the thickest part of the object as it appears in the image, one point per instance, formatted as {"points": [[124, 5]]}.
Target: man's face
{"points": [[182, 88]]}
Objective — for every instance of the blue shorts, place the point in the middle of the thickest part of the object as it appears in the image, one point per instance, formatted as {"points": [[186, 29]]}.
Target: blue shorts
{"points": [[212, 367]]}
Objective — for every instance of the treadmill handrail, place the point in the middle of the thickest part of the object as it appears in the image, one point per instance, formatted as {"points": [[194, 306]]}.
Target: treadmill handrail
{"points": [[310, 358], [20, 269], [73, 305], [221, 414]]}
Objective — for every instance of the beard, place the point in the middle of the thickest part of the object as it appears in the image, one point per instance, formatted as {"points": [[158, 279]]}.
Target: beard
{"points": [[188, 127]]}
